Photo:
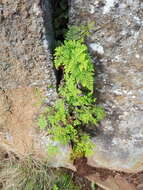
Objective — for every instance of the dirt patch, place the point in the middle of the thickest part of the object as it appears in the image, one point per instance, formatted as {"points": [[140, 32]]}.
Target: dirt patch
{"points": [[108, 179], [18, 108]]}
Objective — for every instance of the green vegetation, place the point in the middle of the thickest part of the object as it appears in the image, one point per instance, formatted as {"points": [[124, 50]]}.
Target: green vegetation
{"points": [[31, 174], [76, 106], [64, 181], [93, 186]]}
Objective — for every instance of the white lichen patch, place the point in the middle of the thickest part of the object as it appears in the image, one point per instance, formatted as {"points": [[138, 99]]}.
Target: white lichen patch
{"points": [[36, 9], [122, 92], [91, 9], [138, 20], [97, 48], [137, 56], [109, 4], [45, 44]]}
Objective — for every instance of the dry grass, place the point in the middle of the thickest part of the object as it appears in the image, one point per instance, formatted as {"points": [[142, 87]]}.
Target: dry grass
{"points": [[26, 174], [31, 174]]}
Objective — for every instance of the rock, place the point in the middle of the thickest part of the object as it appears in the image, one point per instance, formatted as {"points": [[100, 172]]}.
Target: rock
{"points": [[112, 183], [97, 48], [119, 80], [23, 59], [26, 77], [140, 187]]}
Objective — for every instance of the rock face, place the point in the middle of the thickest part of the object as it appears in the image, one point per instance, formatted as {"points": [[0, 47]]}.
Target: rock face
{"points": [[26, 78], [117, 47], [26, 72], [116, 44], [24, 56]]}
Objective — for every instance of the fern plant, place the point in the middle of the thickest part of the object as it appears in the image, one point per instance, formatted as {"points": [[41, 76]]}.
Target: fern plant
{"points": [[76, 106]]}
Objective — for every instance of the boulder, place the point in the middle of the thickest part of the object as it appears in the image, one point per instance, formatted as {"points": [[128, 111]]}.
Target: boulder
{"points": [[26, 77], [116, 44]]}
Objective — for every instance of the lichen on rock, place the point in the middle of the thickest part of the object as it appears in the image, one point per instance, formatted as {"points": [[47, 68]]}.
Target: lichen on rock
{"points": [[119, 79]]}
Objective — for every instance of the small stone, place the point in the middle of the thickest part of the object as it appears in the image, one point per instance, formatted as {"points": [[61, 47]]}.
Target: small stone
{"points": [[97, 48], [91, 9], [109, 4]]}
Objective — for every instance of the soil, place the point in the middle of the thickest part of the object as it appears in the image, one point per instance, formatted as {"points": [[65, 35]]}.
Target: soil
{"points": [[17, 111], [130, 180], [81, 181]]}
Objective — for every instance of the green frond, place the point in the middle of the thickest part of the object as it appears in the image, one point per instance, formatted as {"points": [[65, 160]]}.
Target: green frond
{"points": [[76, 106]]}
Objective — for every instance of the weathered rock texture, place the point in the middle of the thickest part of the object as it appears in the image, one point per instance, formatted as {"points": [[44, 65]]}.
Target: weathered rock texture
{"points": [[24, 57], [117, 47], [26, 75], [27, 79]]}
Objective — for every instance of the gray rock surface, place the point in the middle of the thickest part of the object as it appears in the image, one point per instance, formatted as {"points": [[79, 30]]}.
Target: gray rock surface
{"points": [[26, 73], [27, 79], [24, 54], [117, 47]]}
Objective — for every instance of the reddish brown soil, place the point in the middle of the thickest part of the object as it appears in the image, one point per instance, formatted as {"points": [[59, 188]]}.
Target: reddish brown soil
{"points": [[129, 180]]}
